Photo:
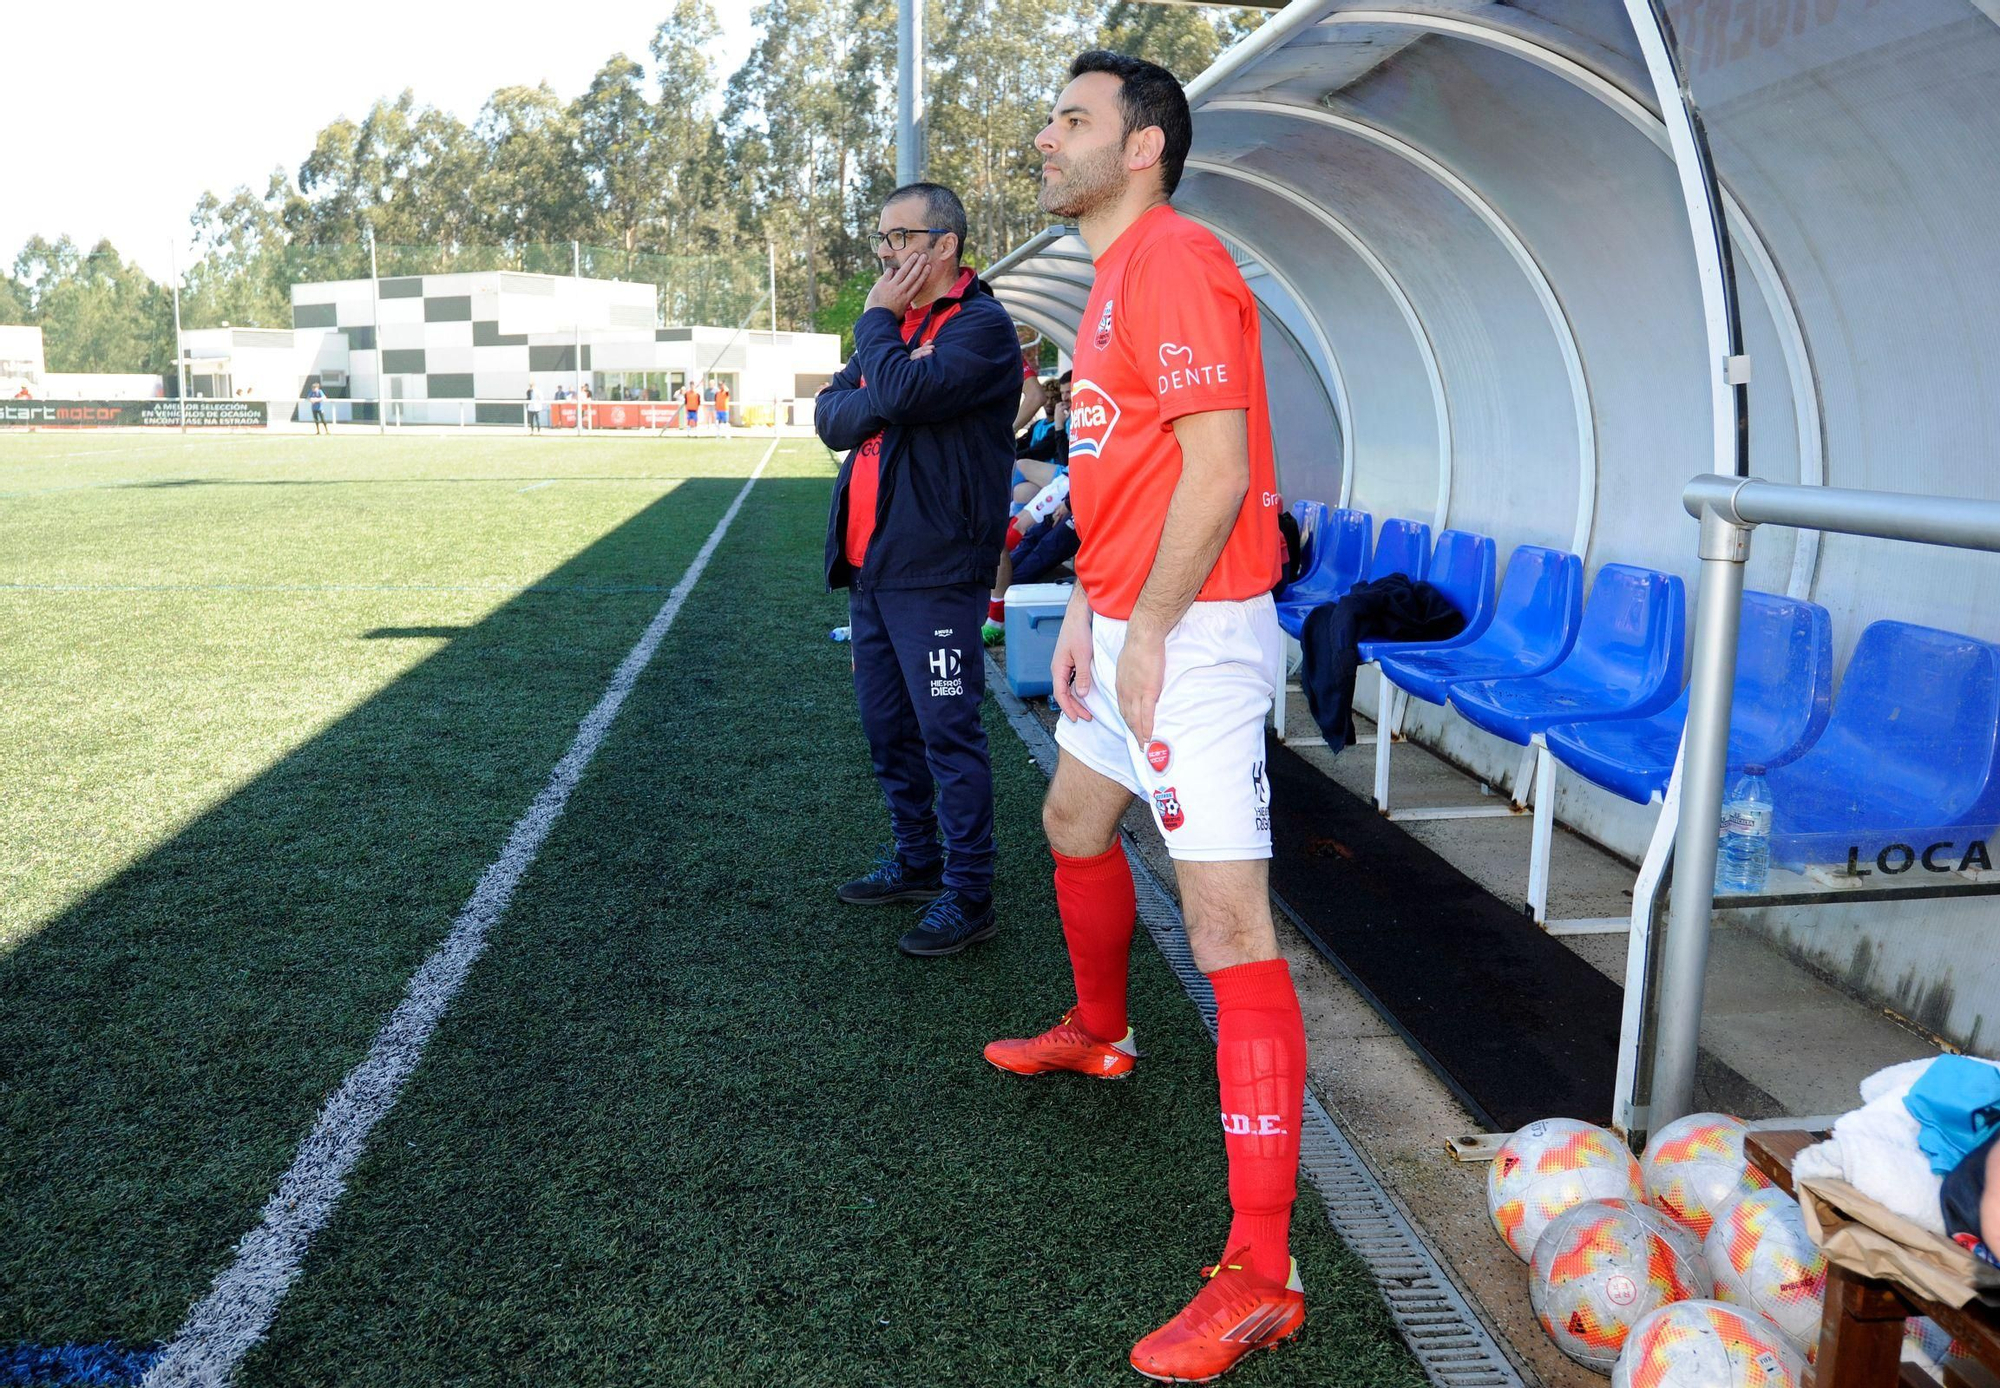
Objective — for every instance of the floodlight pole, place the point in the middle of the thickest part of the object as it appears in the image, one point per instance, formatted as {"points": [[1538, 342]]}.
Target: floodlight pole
{"points": [[180, 348], [381, 377], [576, 327], [909, 90]]}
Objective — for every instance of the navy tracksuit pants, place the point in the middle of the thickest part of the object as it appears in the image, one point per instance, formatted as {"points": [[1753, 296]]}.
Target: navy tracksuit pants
{"points": [[919, 678]]}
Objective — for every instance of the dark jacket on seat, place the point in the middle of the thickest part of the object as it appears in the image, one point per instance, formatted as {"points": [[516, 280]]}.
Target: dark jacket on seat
{"points": [[947, 443], [1391, 608]]}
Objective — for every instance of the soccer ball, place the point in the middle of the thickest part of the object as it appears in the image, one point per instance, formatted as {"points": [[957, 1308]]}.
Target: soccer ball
{"points": [[1762, 1258], [1602, 1267], [1551, 1166], [1706, 1344], [1695, 1167]]}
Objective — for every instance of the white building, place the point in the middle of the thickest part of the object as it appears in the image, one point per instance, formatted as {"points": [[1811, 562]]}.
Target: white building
{"points": [[455, 348], [21, 360], [462, 348]]}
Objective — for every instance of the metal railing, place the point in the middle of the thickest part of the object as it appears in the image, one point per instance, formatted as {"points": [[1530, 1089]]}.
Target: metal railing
{"points": [[599, 415], [1666, 977]]}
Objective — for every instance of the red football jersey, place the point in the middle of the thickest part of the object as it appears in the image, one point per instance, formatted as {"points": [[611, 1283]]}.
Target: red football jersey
{"points": [[1171, 330]]}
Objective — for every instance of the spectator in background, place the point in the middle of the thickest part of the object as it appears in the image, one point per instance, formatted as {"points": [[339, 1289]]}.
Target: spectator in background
{"points": [[1034, 399], [534, 410], [317, 397], [1045, 449]]}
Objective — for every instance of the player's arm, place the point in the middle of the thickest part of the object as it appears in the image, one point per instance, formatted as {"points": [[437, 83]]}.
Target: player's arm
{"points": [[1069, 668], [1215, 477]]}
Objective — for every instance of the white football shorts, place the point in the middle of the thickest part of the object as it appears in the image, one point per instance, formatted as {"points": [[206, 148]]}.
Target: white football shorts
{"points": [[1202, 772]]}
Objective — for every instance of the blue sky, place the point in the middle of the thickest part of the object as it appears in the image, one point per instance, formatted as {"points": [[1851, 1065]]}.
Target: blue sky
{"points": [[92, 124]]}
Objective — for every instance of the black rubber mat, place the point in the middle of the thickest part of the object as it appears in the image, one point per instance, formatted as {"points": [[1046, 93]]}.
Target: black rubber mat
{"points": [[1515, 1023]]}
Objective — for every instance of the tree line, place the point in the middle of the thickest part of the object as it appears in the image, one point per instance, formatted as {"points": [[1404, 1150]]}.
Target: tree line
{"points": [[665, 168]]}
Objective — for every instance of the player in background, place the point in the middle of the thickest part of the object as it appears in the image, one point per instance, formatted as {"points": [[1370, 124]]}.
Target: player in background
{"points": [[691, 405], [721, 410], [318, 398], [1165, 670]]}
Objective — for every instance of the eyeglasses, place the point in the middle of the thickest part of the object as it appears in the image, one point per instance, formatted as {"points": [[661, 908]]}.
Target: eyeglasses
{"points": [[896, 238]]}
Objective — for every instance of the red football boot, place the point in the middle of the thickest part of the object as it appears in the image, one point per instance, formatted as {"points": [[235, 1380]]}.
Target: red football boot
{"points": [[1065, 1046], [1235, 1312]]}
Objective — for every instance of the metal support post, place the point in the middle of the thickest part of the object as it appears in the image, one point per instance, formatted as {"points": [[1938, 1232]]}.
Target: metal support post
{"points": [[576, 323], [777, 373], [180, 347], [381, 377], [1683, 955], [909, 90]]}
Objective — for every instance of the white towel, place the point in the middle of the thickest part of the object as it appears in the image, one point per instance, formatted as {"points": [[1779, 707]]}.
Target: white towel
{"points": [[1874, 1149]]}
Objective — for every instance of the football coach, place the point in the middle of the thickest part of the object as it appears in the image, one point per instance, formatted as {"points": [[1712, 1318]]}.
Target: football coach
{"points": [[924, 411]]}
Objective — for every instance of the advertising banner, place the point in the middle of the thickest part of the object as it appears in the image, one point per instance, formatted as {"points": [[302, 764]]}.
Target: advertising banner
{"points": [[133, 414], [614, 414]]}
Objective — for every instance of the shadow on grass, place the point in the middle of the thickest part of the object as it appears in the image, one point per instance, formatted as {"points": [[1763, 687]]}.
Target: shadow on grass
{"points": [[414, 633], [693, 1123], [166, 1041]]}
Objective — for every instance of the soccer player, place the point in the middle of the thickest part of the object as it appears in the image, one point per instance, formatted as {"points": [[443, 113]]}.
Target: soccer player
{"points": [[722, 409], [1165, 668], [691, 405], [318, 398]]}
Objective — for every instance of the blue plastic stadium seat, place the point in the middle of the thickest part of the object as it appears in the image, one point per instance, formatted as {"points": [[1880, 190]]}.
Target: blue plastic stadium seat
{"points": [[1783, 693], [1461, 568], [1335, 561], [1913, 744], [1534, 625], [1626, 662], [1401, 547], [1310, 515]]}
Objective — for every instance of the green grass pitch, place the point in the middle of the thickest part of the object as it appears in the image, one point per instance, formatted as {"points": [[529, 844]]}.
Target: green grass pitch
{"points": [[272, 704]]}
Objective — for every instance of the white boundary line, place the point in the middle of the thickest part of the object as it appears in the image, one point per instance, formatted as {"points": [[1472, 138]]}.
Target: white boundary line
{"points": [[224, 1325]]}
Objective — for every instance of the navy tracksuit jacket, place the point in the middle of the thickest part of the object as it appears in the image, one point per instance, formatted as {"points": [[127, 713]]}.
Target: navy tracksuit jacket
{"points": [[918, 601]]}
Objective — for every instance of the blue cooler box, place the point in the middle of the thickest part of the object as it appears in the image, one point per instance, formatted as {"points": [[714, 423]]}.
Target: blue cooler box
{"points": [[1034, 617]]}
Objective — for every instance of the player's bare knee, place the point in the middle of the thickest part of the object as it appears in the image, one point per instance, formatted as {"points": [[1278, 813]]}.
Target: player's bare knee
{"points": [[1071, 833]]}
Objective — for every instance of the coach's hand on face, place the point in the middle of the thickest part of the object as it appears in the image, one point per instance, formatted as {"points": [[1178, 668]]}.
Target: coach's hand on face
{"points": [[899, 285]]}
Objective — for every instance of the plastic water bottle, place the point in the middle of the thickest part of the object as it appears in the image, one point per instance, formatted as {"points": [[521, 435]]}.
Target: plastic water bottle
{"points": [[839, 633], [1743, 854]]}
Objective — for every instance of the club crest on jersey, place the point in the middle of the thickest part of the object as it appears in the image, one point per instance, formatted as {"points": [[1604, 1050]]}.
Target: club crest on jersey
{"points": [[1093, 416], [1103, 336], [1167, 801], [1159, 756]]}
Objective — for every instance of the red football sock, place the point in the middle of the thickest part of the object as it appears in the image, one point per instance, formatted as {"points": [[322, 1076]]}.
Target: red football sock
{"points": [[1013, 532], [1095, 899], [996, 609], [1260, 1058]]}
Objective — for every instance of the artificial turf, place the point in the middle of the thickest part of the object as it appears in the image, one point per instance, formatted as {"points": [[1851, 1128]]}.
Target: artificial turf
{"points": [[690, 1122]]}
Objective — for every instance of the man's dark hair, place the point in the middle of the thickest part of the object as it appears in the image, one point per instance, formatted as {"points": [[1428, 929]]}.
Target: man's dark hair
{"points": [[941, 208], [1151, 96]]}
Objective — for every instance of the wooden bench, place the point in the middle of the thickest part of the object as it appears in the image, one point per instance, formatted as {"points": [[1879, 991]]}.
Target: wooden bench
{"points": [[1861, 1329]]}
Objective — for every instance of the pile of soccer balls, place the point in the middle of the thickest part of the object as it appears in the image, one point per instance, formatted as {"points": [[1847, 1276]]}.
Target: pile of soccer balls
{"points": [[1685, 1270]]}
